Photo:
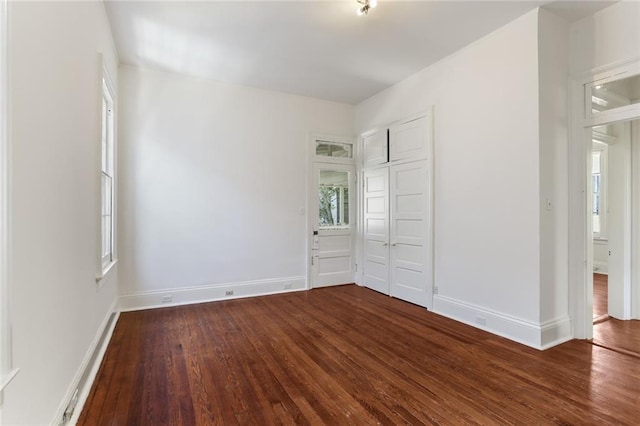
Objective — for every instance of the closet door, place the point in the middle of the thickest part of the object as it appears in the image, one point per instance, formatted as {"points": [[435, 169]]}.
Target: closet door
{"points": [[410, 233], [376, 229], [375, 148], [409, 140]]}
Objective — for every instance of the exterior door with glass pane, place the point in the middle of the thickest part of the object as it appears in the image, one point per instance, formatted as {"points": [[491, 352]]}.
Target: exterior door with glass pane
{"points": [[333, 231]]}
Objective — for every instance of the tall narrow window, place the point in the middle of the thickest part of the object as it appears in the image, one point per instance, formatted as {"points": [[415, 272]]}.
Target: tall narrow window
{"points": [[595, 188], [108, 170], [598, 189]]}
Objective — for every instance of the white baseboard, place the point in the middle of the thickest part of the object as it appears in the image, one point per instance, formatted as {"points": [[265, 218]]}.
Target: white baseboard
{"points": [[538, 336], [555, 332], [210, 293], [89, 366]]}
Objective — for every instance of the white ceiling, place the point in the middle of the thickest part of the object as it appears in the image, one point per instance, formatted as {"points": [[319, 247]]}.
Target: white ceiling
{"points": [[320, 49]]}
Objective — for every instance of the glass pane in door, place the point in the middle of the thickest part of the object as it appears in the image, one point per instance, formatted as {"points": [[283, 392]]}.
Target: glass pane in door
{"points": [[333, 199]]}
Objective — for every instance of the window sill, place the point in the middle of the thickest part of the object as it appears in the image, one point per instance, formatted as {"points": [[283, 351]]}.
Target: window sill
{"points": [[106, 271]]}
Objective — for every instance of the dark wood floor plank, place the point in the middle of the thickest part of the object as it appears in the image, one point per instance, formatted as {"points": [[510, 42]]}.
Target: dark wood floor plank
{"points": [[370, 370], [295, 367], [332, 359], [600, 295], [346, 355], [611, 333], [465, 388], [209, 367], [269, 391]]}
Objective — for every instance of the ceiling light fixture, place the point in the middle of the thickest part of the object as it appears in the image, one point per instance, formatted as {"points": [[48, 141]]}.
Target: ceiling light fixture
{"points": [[365, 5]]}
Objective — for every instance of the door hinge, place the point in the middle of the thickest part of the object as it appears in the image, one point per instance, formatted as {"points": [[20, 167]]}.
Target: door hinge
{"points": [[356, 266], [435, 289], [312, 261]]}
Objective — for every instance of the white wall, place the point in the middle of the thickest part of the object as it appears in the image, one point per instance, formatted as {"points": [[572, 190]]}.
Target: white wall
{"points": [[601, 256], [213, 177], [607, 37], [487, 175], [57, 308], [553, 68]]}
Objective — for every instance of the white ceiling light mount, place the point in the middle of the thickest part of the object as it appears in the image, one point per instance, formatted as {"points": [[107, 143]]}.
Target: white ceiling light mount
{"points": [[365, 5]]}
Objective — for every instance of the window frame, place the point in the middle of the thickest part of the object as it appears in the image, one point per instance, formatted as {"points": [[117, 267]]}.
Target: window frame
{"points": [[342, 194], [107, 168], [602, 189], [328, 161], [347, 147], [588, 85], [315, 138]]}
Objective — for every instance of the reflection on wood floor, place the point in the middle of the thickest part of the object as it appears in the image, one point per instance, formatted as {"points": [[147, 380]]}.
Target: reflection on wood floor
{"points": [[617, 335], [600, 289]]}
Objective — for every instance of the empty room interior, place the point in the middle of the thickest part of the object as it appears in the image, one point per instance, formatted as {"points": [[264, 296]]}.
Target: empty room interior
{"points": [[319, 212]]}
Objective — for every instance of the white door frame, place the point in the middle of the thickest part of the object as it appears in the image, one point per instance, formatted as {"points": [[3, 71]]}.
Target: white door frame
{"points": [[635, 210], [580, 198], [312, 160]]}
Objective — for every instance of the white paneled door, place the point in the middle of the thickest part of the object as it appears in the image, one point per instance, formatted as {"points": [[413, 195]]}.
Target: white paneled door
{"points": [[333, 229], [376, 229], [397, 232], [397, 207], [375, 147], [409, 139], [409, 241]]}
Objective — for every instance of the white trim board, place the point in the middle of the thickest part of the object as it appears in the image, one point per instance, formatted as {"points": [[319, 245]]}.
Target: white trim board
{"points": [[555, 332], [89, 367], [538, 336], [210, 293]]}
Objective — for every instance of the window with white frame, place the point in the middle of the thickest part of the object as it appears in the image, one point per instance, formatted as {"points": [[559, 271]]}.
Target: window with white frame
{"points": [[107, 178], [598, 189], [333, 149]]}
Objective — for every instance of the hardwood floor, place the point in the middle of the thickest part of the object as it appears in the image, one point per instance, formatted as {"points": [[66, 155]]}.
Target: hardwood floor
{"points": [[600, 295], [346, 355], [621, 336]]}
